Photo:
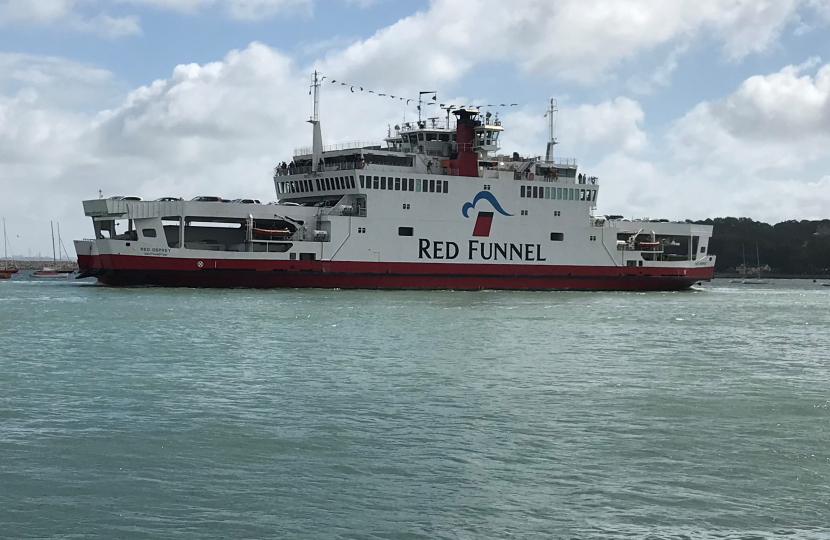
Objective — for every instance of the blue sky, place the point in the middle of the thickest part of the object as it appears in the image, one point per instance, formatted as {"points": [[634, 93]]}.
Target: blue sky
{"points": [[684, 109]]}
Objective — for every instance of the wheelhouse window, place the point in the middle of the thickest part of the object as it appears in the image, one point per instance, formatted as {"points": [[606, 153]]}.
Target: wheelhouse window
{"points": [[405, 231], [362, 181], [376, 182], [148, 233]]}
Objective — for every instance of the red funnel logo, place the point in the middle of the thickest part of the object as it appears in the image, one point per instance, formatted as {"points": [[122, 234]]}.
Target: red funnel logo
{"points": [[483, 223]]}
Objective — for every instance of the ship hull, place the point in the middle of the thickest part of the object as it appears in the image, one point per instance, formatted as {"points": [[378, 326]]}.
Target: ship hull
{"points": [[223, 273]]}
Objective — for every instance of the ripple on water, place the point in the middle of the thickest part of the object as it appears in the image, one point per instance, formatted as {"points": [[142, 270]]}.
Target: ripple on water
{"points": [[172, 413]]}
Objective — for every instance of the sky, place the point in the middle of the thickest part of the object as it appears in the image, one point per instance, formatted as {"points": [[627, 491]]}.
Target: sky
{"points": [[684, 110]]}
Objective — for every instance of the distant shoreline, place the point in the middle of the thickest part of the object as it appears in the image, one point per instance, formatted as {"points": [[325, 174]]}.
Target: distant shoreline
{"points": [[37, 265]]}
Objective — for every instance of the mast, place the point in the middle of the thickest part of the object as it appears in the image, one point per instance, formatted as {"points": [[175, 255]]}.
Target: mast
{"points": [[60, 242], [758, 260], [317, 135], [420, 101], [552, 110], [53, 242], [5, 247]]}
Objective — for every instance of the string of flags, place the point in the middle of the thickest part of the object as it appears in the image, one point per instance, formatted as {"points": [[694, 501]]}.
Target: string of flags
{"points": [[434, 97]]}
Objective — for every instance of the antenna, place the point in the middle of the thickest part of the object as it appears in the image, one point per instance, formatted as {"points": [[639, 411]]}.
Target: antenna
{"points": [[315, 88], [317, 136], [551, 112]]}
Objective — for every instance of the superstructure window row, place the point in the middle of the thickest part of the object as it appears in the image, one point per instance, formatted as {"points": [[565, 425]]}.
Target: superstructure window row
{"points": [[425, 185], [558, 193], [322, 184]]}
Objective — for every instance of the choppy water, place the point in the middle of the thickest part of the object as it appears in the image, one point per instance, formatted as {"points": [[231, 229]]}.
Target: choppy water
{"points": [[156, 413]]}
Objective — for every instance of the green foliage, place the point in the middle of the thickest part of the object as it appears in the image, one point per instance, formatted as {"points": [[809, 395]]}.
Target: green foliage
{"points": [[789, 247]]}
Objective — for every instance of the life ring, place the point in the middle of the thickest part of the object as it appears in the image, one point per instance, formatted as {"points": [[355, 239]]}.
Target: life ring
{"points": [[530, 176]]}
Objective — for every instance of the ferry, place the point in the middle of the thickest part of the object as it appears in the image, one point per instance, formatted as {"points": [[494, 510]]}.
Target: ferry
{"points": [[435, 206]]}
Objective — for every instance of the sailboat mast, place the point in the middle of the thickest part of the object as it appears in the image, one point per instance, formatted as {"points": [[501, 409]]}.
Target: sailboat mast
{"points": [[5, 247], [60, 242], [52, 228], [758, 259]]}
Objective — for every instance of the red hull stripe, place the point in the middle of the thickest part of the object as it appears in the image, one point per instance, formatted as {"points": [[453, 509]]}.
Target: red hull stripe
{"points": [[134, 270]]}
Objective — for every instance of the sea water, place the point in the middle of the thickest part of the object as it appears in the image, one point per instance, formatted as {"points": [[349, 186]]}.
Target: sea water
{"points": [[183, 413]]}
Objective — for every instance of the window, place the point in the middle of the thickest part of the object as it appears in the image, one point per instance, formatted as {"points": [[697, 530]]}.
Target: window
{"points": [[432, 136], [524, 212], [151, 233], [327, 184], [557, 236], [376, 183], [432, 186], [438, 188], [382, 182], [571, 194], [361, 230], [559, 193], [631, 263], [446, 186], [522, 191], [362, 181], [351, 181], [308, 256], [487, 187], [420, 136], [317, 180], [405, 231], [405, 206], [397, 184], [547, 193], [702, 248], [581, 194], [404, 184], [444, 137], [557, 213], [310, 187], [418, 185], [390, 185], [535, 192]]}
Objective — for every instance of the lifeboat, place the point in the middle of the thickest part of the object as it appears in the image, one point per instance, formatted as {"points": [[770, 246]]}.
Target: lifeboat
{"points": [[281, 233]]}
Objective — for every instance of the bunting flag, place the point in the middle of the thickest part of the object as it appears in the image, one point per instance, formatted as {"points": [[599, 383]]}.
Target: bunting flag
{"points": [[433, 102]]}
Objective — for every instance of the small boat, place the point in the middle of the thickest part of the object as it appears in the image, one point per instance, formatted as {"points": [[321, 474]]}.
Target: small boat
{"points": [[51, 273], [825, 284], [5, 275], [6, 268], [747, 280]]}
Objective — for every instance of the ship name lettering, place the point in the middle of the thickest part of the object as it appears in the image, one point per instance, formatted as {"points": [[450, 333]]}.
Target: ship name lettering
{"points": [[491, 251], [440, 249]]}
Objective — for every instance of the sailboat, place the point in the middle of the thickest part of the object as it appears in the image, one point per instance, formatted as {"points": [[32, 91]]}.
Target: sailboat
{"points": [[51, 272], [758, 280], [6, 268], [748, 280]]}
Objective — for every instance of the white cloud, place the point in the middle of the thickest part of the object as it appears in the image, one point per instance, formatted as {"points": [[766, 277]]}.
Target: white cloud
{"points": [[12, 11], [569, 38], [54, 11], [217, 128], [760, 151], [769, 122], [106, 26], [238, 9]]}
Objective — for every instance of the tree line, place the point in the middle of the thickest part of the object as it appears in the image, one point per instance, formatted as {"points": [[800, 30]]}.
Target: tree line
{"points": [[790, 247]]}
